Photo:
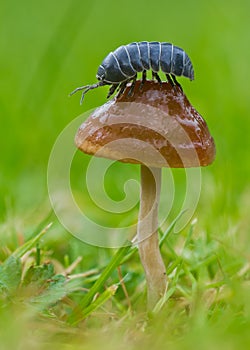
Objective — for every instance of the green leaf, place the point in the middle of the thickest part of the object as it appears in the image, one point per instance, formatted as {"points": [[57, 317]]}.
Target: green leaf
{"points": [[38, 275], [58, 288], [10, 274]]}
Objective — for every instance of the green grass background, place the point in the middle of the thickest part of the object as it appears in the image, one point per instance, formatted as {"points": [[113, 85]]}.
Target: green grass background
{"points": [[48, 48]]}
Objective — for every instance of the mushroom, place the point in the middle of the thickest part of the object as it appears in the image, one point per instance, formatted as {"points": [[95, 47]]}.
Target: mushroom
{"points": [[155, 127]]}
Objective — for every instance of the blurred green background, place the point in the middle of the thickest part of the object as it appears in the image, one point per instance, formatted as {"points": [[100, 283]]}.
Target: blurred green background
{"points": [[49, 49]]}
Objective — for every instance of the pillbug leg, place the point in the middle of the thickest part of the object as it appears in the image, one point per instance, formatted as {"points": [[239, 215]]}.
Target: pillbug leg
{"points": [[122, 87], [79, 89], [86, 88], [132, 87], [82, 97], [112, 90], [156, 76], [170, 80], [176, 82], [144, 76]]}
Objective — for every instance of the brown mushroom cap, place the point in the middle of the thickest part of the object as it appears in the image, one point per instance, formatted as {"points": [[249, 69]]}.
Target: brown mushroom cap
{"points": [[156, 126]]}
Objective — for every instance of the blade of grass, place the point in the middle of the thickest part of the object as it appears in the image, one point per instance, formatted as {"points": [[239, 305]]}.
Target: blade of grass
{"points": [[174, 264], [170, 291], [20, 251], [77, 313], [107, 294], [170, 228], [163, 300], [49, 218], [164, 235], [189, 235]]}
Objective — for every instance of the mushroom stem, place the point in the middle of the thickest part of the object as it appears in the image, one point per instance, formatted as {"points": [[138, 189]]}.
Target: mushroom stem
{"points": [[147, 234]]}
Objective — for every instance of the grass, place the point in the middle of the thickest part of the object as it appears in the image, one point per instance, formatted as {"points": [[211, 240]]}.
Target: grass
{"points": [[50, 303], [57, 291]]}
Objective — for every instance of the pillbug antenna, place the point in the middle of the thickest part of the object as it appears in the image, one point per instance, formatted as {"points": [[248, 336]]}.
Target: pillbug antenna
{"points": [[85, 89]]}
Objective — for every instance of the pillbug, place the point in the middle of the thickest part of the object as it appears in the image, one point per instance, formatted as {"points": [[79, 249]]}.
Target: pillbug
{"points": [[121, 66]]}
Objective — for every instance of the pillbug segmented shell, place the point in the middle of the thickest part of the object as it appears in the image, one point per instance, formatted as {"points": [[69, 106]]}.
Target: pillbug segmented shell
{"points": [[121, 66]]}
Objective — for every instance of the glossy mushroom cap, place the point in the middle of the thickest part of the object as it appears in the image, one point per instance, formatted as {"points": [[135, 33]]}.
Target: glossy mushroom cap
{"points": [[156, 126]]}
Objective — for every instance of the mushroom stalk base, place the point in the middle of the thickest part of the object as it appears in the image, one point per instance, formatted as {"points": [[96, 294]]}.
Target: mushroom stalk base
{"points": [[147, 235]]}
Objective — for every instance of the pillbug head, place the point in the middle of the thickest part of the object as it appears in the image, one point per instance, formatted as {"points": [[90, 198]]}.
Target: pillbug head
{"points": [[100, 73]]}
